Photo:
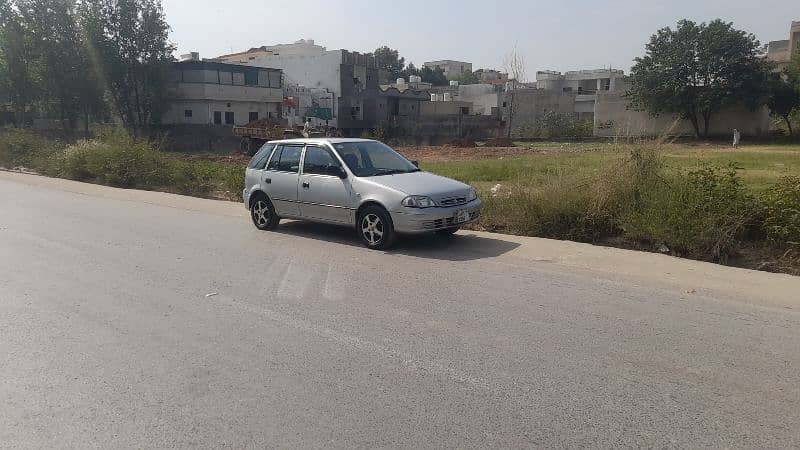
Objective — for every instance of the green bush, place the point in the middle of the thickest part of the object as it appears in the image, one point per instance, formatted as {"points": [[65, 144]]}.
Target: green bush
{"points": [[782, 212], [115, 159], [19, 147], [704, 214]]}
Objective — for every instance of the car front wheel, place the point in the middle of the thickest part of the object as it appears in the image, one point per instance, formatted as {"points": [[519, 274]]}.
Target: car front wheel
{"points": [[263, 213], [375, 228]]}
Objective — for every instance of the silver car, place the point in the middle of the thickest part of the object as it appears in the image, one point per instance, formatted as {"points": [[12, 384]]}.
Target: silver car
{"points": [[353, 182]]}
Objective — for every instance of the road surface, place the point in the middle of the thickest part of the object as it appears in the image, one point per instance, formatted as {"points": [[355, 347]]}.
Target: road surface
{"points": [[148, 320]]}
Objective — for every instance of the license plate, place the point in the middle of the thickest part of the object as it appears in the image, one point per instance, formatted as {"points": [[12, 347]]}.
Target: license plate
{"points": [[462, 216]]}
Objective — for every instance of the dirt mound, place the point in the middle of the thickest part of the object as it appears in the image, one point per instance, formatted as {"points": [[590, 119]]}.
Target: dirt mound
{"points": [[500, 142], [261, 123], [462, 143]]}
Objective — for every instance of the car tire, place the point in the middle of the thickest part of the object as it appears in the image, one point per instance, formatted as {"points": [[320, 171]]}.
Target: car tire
{"points": [[263, 213], [447, 231], [375, 228]]}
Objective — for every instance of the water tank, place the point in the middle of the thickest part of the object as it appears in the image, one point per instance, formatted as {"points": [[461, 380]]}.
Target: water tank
{"points": [[433, 97], [453, 82], [401, 81], [448, 97], [415, 79]]}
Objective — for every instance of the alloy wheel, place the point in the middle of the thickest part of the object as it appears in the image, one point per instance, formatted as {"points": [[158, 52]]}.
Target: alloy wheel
{"points": [[372, 229]]}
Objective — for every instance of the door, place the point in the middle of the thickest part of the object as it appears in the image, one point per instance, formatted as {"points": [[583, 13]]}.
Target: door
{"points": [[324, 194], [281, 179]]}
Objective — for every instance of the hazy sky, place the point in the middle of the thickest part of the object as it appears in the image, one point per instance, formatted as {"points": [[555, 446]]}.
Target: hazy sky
{"points": [[552, 35]]}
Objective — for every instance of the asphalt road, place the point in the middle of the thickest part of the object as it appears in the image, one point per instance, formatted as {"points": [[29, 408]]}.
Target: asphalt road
{"points": [[128, 321]]}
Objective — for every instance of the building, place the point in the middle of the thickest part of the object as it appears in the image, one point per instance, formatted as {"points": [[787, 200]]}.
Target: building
{"points": [[780, 52], [451, 69], [491, 76], [213, 93], [348, 76], [301, 103], [571, 93]]}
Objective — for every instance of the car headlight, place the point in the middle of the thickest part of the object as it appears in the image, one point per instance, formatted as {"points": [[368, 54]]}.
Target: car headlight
{"points": [[472, 195], [418, 201]]}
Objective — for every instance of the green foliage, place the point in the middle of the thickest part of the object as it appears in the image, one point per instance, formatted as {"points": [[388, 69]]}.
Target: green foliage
{"points": [[706, 213], [467, 78], [784, 97], [696, 70], [782, 212], [389, 60], [23, 148], [428, 75], [132, 54], [22, 66]]}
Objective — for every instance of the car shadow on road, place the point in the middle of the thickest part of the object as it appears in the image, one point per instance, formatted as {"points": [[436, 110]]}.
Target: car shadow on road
{"points": [[459, 247]]}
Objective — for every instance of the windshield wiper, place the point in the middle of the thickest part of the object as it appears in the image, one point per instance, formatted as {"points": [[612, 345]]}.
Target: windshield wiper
{"points": [[392, 171]]}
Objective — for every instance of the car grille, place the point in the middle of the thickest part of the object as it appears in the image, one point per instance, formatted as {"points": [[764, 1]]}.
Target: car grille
{"points": [[446, 222], [452, 201]]}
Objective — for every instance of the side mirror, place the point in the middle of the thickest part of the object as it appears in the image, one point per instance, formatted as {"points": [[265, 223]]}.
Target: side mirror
{"points": [[338, 172], [415, 163]]}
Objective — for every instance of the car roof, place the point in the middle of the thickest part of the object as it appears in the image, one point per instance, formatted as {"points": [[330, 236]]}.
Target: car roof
{"points": [[323, 140]]}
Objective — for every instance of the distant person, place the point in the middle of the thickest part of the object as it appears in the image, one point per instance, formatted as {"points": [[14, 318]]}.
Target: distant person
{"points": [[736, 138], [307, 128]]}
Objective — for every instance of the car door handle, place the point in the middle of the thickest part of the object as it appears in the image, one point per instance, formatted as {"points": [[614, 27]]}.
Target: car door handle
{"points": [[268, 181], [305, 184]]}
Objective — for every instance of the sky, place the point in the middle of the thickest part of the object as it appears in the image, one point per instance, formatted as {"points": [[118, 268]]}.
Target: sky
{"points": [[553, 35]]}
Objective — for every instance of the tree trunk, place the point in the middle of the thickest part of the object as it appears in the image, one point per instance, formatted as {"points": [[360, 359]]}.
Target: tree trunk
{"points": [[788, 124], [706, 121], [695, 125]]}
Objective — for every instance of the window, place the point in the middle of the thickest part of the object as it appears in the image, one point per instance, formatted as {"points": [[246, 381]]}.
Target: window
{"points": [[229, 118], [505, 104], [251, 78], [187, 113], [320, 161], [217, 118], [260, 159], [286, 159], [252, 116]]}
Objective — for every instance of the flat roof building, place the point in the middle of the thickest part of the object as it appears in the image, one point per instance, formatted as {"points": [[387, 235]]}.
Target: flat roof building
{"points": [[451, 68]]}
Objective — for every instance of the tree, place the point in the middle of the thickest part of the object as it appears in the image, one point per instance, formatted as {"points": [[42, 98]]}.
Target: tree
{"points": [[696, 70], [70, 90], [784, 98], [514, 65], [433, 76], [21, 65], [131, 53], [389, 60], [467, 78]]}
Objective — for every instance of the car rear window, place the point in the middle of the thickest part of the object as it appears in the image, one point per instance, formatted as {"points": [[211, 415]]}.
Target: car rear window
{"points": [[286, 159], [259, 160]]}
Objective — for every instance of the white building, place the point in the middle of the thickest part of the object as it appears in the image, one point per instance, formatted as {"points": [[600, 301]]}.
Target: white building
{"points": [[211, 93], [345, 75]]}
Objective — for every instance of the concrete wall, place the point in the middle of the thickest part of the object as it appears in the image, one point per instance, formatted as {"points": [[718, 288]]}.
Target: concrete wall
{"points": [[442, 129], [531, 104], [613, 118], [445, 108], [202, 111]]}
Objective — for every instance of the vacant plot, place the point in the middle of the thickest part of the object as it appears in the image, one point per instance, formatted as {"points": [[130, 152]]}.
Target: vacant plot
{"points": [[533, 164]]}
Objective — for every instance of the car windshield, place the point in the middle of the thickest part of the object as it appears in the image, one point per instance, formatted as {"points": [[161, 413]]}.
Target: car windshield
{"points": [[370, 159]]}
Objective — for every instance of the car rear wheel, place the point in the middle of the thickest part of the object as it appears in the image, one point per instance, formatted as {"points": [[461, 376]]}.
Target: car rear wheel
{"points": [[263, 213], [375, 228], [447, 231]]}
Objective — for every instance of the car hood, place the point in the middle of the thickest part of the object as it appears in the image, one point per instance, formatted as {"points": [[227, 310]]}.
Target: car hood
{"points": [[420, 183]]}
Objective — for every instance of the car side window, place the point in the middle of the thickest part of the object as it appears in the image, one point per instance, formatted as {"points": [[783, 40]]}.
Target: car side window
{"points": [[259, 160], [289, 159], [319, 161]]}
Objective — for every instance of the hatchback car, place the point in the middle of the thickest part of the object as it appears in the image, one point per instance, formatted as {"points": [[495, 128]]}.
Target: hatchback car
{"points": [[353, 182]]}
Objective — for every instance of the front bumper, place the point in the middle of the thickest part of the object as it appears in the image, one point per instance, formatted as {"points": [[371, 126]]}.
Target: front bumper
{"points": [[421, 220], [246, 198]]}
